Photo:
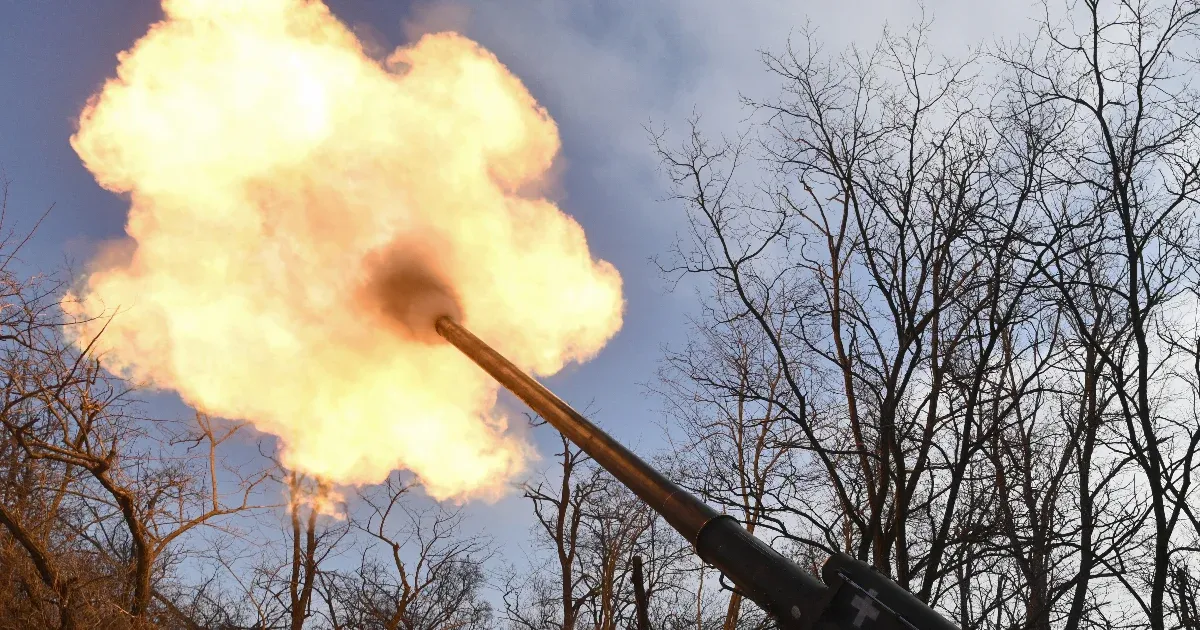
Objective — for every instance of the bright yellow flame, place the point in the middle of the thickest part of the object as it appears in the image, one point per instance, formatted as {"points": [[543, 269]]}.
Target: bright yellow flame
{"points": [[268, 163]]}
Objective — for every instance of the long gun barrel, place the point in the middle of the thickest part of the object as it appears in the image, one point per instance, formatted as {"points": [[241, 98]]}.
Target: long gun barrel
{"points": [[853, 595]]}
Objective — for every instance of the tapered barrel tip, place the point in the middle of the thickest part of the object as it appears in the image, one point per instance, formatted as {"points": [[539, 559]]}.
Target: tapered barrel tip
{"points": [[412, 296]]}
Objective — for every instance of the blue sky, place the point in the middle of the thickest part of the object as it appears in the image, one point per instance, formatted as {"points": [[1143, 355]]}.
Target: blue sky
{"points": [[603, 68]]}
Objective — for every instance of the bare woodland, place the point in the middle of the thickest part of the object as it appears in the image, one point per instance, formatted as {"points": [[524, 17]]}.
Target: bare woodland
{"points": [[949, 324]]}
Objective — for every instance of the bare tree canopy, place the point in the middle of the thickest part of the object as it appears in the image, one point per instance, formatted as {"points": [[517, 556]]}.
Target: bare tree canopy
{"points": [[949, 321]]}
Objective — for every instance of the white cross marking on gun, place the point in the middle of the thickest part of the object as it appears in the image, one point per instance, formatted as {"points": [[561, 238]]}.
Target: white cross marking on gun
{"points": [[866, 609]]}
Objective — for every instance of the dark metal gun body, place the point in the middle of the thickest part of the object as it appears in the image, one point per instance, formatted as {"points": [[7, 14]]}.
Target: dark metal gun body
{"points": [[854, 595]]}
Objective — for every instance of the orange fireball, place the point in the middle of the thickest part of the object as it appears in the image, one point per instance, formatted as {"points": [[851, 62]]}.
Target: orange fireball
{"points": [[276, 173]]}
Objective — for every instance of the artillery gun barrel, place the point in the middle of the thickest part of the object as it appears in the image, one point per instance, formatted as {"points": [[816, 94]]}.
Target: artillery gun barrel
{"points": [[854, 594]]}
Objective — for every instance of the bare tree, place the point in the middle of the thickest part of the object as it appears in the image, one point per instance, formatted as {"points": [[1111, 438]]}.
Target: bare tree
{"points": [[594, 527], [736, 450], [273, 578], [426, 575], [885, 191], [559, 510], [97, 487], [968, 295], [1133, 169]]}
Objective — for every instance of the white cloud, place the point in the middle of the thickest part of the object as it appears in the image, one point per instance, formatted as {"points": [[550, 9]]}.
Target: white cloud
{"points": [[605, 68]]}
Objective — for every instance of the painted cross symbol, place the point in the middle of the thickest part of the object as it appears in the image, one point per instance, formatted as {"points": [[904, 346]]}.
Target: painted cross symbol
{"points": [[866, 609]]}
